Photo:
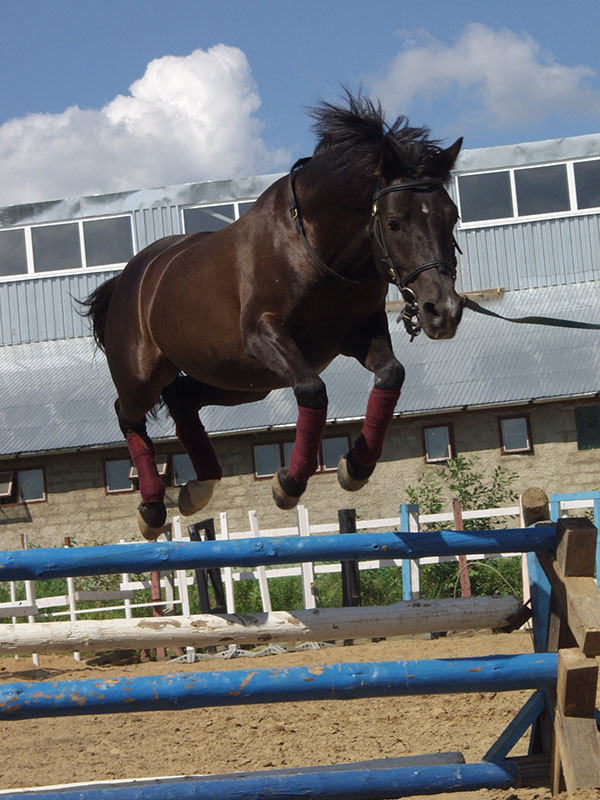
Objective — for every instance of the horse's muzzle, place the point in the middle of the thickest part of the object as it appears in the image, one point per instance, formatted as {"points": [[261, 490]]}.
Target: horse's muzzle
{"points": [[440, 320]]}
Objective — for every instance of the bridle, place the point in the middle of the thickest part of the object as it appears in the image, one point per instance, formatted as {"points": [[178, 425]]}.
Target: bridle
{"points": [[410, 314]]}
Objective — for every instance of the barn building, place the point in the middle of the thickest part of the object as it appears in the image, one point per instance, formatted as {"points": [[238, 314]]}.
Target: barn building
{"points": [[523, 396]]}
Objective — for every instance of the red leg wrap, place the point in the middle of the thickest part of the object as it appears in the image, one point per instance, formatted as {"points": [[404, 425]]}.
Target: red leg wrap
{"points": [[192, 435], [380, 411], [141, 450], [309, 432]]}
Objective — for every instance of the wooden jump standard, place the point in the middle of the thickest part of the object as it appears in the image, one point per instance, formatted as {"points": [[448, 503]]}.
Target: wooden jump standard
{"points": [[565, 682]]}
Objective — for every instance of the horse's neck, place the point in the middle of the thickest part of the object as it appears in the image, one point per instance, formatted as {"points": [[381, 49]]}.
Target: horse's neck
{"points": [[336, 216]]}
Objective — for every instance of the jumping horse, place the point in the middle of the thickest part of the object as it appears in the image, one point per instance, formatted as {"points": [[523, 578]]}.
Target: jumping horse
{"points": [[224, 318]]}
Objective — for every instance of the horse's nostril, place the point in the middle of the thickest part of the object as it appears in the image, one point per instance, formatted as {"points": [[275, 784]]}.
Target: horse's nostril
{"points": [[431, 308]]}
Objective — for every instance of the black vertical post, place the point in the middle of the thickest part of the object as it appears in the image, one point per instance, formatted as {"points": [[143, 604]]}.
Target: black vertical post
{"points": [[350, 572], [204, 575]]}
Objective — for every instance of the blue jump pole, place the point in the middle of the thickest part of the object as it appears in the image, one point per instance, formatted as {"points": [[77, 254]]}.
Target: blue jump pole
{"points": [[46, 563], [363, 784], [277, 685]]}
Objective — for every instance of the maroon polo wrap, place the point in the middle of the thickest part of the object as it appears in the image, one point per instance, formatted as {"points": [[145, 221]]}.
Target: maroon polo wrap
{"points": [[309, 432], [192, 435], [380, 411], [141, 450]]}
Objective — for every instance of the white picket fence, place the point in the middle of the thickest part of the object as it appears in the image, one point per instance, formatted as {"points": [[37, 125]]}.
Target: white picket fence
{"points": [[176, 587]]}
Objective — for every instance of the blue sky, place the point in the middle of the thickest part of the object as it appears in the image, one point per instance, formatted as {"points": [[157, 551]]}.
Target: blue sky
{"points": [[106, 96]]}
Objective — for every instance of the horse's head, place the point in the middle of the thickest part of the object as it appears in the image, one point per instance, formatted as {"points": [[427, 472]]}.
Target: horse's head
{"points": [[414, 246]]}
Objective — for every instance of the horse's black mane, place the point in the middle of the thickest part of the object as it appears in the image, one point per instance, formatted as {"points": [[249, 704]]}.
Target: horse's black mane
{"points": [[357, 132]]}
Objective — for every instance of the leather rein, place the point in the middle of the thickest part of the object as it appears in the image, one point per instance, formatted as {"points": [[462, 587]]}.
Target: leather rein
{"points": [[410, 314]]}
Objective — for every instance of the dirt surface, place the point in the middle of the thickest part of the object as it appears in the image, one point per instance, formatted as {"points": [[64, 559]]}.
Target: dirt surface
{"points": [[222, 740]]}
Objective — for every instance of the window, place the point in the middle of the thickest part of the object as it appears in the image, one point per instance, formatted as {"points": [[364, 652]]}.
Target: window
{"points": [[523, 192], [65, 246], [486, 196], [213, 218], [107, 241], [438, 443], [117, 475], [332, 450], [515, 436], [587, 183], [542, 190], [243, 207], [56, 247], [587, 421], [208, 218], [13, 253], [162, 467], [22, 486], [269, 457], [182, 471]]}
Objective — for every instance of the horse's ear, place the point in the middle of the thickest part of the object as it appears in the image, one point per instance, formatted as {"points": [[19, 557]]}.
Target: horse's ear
{"points": [[450, 154], [389, 166]]}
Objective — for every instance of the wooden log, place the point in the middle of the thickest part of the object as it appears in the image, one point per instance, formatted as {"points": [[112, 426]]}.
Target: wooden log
{"points": [[345, 681], [204, 630], [535, 506], [45, 563]]}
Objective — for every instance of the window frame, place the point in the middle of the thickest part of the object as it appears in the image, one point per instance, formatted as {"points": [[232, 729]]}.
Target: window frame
{"points": [[29, 255], [516, 218], [111, 492], [521, 451], [6, 500], [451, 446], [321, 469]]}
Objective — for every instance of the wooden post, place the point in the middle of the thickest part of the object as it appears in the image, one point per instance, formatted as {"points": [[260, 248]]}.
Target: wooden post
{"points": [[576, 750], [463, 564], [535, 506]]}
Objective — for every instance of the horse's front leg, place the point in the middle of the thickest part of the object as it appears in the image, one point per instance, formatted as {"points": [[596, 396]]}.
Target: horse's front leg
{"points": [[270, 343], [375, 353]]}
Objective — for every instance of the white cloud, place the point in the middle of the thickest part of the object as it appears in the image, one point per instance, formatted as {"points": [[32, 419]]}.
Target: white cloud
{"points": [[494, 77], [188, 118]]}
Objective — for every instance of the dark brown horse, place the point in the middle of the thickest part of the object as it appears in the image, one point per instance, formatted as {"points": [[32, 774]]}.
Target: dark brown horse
{"points": [[224, 318]]}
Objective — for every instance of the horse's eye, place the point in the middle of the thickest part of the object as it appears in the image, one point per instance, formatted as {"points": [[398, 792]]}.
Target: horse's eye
{"points": [[393, 224]]}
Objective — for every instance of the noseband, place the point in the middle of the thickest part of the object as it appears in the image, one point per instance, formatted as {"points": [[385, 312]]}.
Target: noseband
{"points": [[410, 314]]}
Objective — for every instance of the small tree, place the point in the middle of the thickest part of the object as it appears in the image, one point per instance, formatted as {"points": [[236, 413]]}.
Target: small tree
{"points": [[459, 478]]}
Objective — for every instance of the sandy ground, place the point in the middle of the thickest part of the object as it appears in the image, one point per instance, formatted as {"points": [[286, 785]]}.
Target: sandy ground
{"points": [[221, 740]]}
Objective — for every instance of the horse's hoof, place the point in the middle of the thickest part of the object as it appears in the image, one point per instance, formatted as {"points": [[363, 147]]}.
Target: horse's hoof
{"points": [[195, 495], [151, 520], [351, 475], [286, 490]]}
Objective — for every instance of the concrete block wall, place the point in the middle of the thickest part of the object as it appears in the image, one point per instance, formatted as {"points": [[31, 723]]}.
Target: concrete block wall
{"points": [[78, 506]]}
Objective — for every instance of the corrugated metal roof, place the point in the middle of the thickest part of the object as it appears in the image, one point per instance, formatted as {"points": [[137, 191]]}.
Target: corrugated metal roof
{"points": [[58, 394]]}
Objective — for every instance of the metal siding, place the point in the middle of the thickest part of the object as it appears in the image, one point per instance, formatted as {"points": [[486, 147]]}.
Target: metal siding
{"points": [[46, 308], [527, 255], [488, 362]]}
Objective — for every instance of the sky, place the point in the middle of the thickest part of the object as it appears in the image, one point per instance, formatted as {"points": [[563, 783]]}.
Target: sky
{"points": [[101, 96]]}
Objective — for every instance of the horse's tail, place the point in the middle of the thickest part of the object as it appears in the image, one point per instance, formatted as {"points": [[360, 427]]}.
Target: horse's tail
{"points": [[97, 307]]}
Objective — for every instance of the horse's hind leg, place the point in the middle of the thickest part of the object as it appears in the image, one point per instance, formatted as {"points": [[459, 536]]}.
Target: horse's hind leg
{"points": [[152, 512], [184, 398]]}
